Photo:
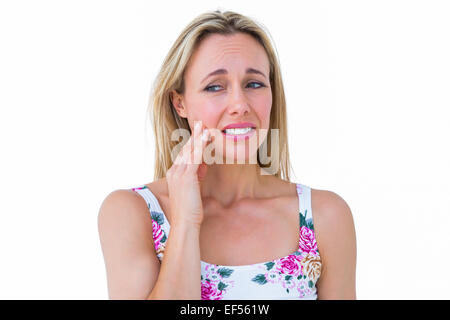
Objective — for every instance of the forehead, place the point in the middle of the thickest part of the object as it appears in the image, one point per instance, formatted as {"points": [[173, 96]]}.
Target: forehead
{"points": [[238, 50]]}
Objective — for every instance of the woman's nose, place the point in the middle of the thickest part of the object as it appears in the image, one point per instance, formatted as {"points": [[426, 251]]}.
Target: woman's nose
{"points": [[238, 102]]}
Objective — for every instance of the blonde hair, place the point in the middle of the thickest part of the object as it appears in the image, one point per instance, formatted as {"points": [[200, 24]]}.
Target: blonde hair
{"points": [[165, 118]]}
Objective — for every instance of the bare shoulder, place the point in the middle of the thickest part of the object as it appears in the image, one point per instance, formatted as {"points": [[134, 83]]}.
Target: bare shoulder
{"points": [[124, 220], [329, 207], [125, 230], [332, 218], [336, 241], [120, 205]]}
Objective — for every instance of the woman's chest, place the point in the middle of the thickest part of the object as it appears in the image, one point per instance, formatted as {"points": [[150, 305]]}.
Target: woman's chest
{"points": [[250, 233]]}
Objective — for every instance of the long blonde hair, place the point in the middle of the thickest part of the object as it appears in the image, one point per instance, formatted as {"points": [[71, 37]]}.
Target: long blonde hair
{"points": [[164, 117]]}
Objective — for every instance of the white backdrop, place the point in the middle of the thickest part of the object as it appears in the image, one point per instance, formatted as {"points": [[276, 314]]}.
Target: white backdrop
{"points": [[367, 85]]}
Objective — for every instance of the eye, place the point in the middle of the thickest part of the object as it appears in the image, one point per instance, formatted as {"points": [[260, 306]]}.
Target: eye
{"points": [[213, 86], [260, 85], [252, 84]]}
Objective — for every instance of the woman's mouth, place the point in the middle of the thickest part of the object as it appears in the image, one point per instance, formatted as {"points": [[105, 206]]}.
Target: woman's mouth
{"points": [[238, 134]]}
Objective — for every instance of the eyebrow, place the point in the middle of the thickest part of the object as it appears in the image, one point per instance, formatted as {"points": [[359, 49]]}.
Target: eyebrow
{"points": [[224, 71]]}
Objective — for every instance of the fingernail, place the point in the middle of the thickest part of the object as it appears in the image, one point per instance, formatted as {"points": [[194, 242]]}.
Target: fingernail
{"points": [[197, 125]]}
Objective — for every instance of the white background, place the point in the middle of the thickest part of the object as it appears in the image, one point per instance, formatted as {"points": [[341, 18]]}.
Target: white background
{"points": [[367, 85]]}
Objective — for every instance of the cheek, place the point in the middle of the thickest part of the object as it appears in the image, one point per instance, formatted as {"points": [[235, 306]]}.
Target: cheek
{"points": [[202, 108], [208, 112], [262, 106]]}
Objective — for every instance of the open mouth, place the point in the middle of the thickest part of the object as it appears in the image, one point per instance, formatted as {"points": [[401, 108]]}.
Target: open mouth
{"points": [[239, 133]]}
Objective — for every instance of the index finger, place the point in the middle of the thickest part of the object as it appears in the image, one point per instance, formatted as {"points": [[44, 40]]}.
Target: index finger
{"points": [[200, 142]]}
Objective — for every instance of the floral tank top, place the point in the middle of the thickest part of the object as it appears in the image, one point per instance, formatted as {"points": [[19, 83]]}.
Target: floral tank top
{"points": [[291, 277]]}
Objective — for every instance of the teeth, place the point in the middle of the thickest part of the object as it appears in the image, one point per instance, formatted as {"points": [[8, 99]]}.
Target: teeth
{"points": [[238, 130]]}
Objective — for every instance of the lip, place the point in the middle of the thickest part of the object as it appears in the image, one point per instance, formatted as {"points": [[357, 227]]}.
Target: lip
{"points": [[239, 137], [239, 125]]}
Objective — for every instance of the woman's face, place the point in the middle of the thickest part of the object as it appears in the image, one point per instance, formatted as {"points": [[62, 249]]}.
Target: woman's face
{"points": [[226, 82]]}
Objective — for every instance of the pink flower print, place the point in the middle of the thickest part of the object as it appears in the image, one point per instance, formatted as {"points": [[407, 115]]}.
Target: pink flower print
{"points": [[289, 265], [210, 291], [215, 282], [273, 276], [140, 188], [158, 234], [304, 288], [307, 242], [289, 282]]}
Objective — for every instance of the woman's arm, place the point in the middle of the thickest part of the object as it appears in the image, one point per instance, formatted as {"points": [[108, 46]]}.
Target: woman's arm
{"points": [[125, 230], [132, 267], [179, 277], [336, 240]]}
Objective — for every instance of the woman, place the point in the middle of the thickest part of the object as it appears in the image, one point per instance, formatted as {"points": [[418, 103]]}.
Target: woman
{"points": [[234, 227]]}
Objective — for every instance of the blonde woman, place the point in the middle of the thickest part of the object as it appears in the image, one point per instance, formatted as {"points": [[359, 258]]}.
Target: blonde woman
{"points": [[232, 225]]}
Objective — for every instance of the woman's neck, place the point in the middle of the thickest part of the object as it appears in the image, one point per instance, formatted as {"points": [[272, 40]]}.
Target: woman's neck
{"points": [[229, 183]]}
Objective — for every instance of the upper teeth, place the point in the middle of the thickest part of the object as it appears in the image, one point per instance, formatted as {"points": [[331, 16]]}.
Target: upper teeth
{"points": [[238, 130]]}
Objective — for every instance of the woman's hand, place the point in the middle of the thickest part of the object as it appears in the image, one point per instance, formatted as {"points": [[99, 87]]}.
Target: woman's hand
{"points": [[183, 180]]}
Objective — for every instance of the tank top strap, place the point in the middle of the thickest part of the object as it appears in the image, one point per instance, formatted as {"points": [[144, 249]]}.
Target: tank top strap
{"points": [[154, 207], [304, 196], [160, 224]]}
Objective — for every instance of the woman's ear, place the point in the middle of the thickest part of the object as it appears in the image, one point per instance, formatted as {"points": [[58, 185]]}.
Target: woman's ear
{"points": [[177, 102]]}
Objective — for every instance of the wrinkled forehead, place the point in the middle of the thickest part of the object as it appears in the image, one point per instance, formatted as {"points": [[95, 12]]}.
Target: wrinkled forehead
{"points": [[235, 52]]}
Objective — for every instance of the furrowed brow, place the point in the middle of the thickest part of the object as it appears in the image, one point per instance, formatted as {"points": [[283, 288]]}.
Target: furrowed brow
{"points": [[223, 71]]}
